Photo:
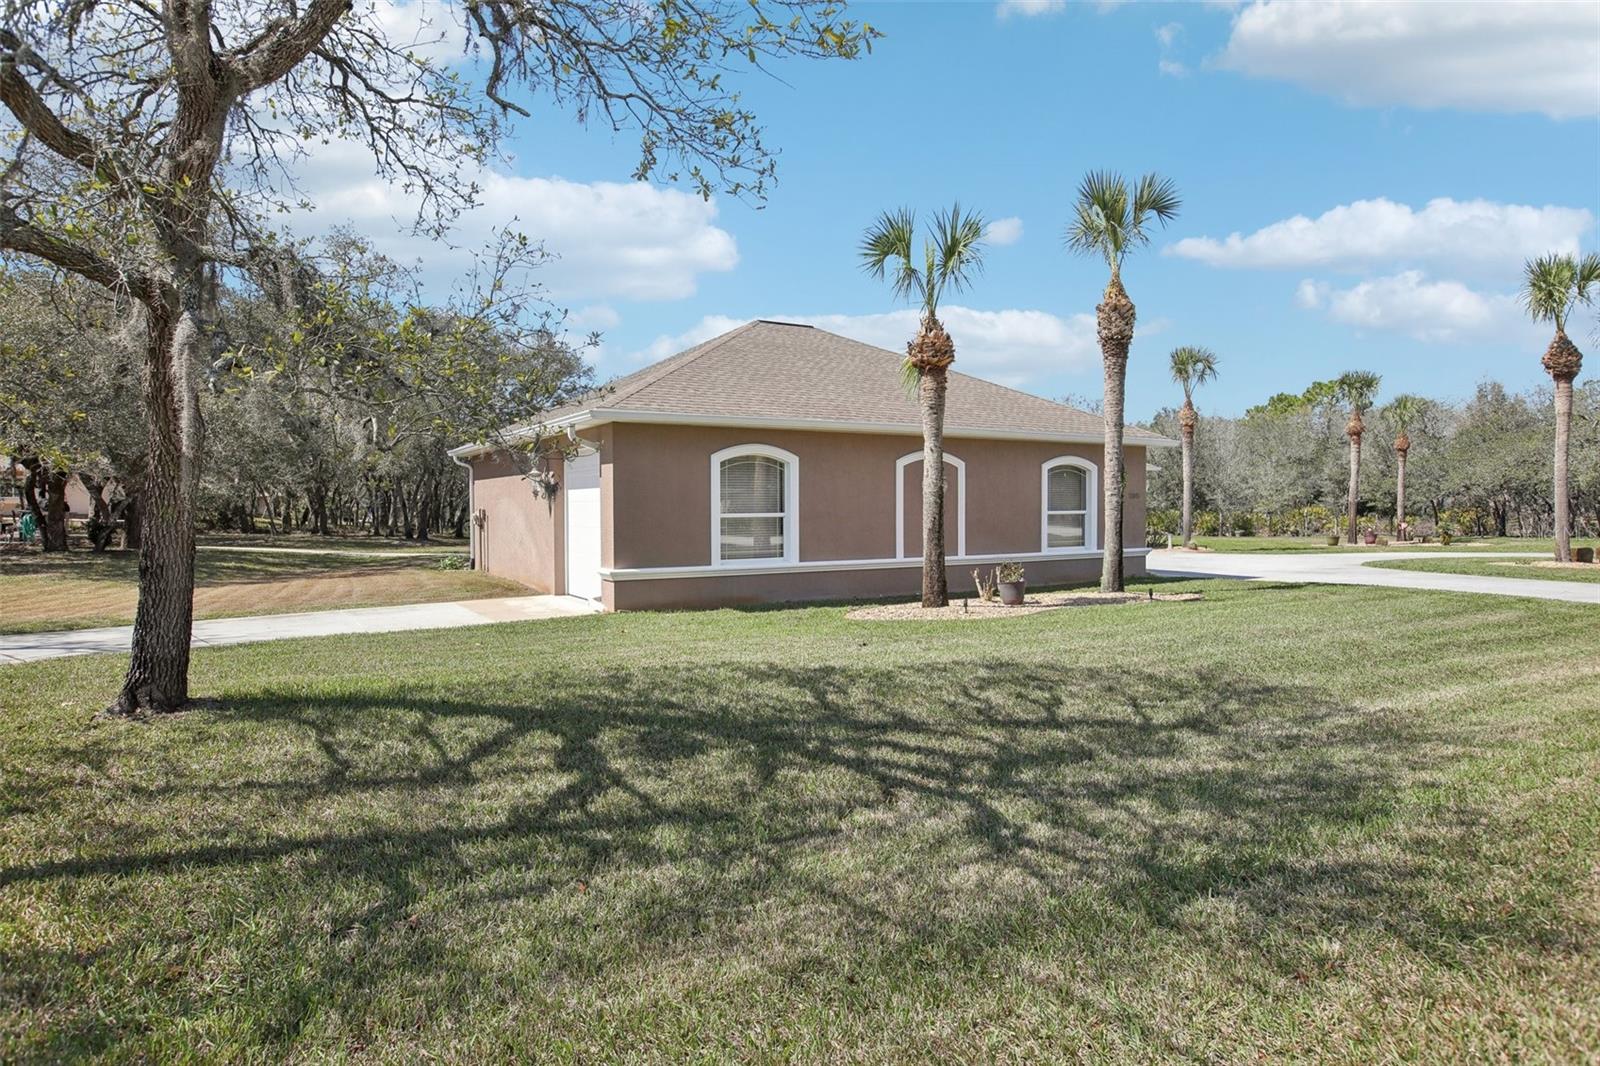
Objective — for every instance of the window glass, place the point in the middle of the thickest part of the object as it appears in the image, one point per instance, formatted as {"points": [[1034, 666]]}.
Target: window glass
{"points": [[752, 484], [753, 506], [1066, 507]]}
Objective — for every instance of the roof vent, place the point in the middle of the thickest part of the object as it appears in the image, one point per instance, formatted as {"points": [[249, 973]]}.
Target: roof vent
{"points": [[776, 322]]}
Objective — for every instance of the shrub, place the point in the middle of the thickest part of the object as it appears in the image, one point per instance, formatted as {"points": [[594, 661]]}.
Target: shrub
{"points": [[1008, 573], [1207, 524], [453, 562]]}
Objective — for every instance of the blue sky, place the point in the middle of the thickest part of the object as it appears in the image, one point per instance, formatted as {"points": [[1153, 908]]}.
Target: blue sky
{"points": [[1409, 158]]}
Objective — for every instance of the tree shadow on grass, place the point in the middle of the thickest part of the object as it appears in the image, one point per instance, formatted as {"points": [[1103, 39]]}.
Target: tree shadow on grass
{"points": [[807, 815]]}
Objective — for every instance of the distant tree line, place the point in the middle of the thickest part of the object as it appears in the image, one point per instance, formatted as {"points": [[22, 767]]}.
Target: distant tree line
{"points": [[1478, 467], [331, 398]]}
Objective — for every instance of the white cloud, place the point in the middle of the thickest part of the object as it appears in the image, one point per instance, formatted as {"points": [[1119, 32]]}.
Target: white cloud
{"points": [[1504, 57], [1003, 231], [595, 316], [1012, 347], [428, 28], [1028, 8], [1168, 35], [1172, 68], [1372, 231], [628, 240], [1410, 303]]}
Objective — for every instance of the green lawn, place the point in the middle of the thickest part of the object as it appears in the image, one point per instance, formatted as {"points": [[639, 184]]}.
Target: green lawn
{"points": [[1237, 830], [1524, 568], [81, 590], [1320, 544], [341, 543]]}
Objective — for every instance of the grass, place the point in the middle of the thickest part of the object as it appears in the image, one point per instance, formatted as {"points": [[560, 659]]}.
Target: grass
{"points": [[1522, 568], [79, 590], [1320, 544], [313, 542], [1236, 830]]}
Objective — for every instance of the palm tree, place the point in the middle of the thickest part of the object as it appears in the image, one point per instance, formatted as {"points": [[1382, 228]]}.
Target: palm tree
{"points": [[1552, 286], [1191, 368], [952, 254], [1110, 220], [1404, 411], [1356, 389]]}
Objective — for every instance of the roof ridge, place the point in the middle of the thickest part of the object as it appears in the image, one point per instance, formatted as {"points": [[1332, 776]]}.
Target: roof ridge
{"points": [[665, 368]]}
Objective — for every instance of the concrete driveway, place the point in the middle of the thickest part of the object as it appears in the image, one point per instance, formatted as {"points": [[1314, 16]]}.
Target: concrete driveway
{"points": [[30, 647], [1347, 568]]}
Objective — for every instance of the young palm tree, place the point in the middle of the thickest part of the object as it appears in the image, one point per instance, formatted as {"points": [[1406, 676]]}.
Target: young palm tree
{"points": [[1191, 368], [1357, 390], [1552, 286], [952, 254], [1403, 412], [1110, 220]]}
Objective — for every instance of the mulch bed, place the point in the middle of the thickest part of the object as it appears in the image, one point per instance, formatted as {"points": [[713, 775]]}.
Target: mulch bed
{"points": [[960, 610]]}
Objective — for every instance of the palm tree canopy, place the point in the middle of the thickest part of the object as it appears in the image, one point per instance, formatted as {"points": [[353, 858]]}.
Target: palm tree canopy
{"points": [[1358, 389], [1552, 285], [1192, 367], [1111, 218], [952, 254], [1405, 411]]}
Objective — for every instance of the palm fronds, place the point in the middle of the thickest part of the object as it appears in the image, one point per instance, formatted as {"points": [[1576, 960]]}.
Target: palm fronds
{"points": [[1358, 389], [952, 254], [1405, 411], [1192, 367], [1553, 285], [1110, 218]]}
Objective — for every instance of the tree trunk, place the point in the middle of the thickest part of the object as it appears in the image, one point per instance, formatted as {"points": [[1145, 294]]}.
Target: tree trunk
{"points": [[1188, 484], [1563, 519], [1114, 320], [1355, 477], [1400, 496], [132, 527], [158, 668], [931, 389], [55, 510]]}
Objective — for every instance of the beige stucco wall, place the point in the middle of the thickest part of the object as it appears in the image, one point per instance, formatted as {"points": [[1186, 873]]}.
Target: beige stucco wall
{"points": [[521, 536], [655, 487], [659, 496]]}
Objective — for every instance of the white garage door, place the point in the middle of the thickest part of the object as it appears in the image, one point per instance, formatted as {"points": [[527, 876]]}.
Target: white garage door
{"points": [[582, 490]]}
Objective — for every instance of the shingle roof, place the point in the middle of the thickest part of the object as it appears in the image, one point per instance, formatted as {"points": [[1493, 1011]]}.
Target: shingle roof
{"points": [[795, 373]]}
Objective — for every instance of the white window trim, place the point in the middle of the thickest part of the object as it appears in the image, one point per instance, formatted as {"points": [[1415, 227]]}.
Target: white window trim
{"points": [[1091, 505], [791, 500], [900, 503]]}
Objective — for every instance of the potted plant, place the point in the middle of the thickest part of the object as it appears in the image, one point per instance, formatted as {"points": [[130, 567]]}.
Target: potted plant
{"points": [[1012, 584], [1333, 536]]}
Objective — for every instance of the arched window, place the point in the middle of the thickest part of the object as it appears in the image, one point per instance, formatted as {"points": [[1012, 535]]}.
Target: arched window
{"points": [[1068, 497], [754, 504], [959, 506]]}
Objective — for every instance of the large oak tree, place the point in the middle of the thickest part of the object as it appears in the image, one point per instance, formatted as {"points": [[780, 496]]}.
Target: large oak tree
{"points": [[140, 142]]}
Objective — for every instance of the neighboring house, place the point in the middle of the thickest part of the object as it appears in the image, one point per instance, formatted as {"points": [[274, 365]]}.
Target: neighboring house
{"points": [[782, 462]]}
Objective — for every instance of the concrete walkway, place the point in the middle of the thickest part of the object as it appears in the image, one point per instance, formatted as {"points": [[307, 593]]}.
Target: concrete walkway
{"points": [[1348, 568], [31, 647]]}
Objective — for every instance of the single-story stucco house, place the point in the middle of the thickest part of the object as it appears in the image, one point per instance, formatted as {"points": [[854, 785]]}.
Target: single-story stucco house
{"points": [[782, 462]]}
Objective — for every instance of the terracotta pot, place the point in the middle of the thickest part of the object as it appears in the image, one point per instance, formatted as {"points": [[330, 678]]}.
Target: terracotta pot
{"points": [[1372, 538], [1012, 593]]}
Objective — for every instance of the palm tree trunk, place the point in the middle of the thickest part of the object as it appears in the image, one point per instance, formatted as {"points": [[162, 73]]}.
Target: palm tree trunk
{"points": [[1350, 496], [931, 388], [1188, 485], [1114, 320], [1400, 497], [1563, 498]]}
